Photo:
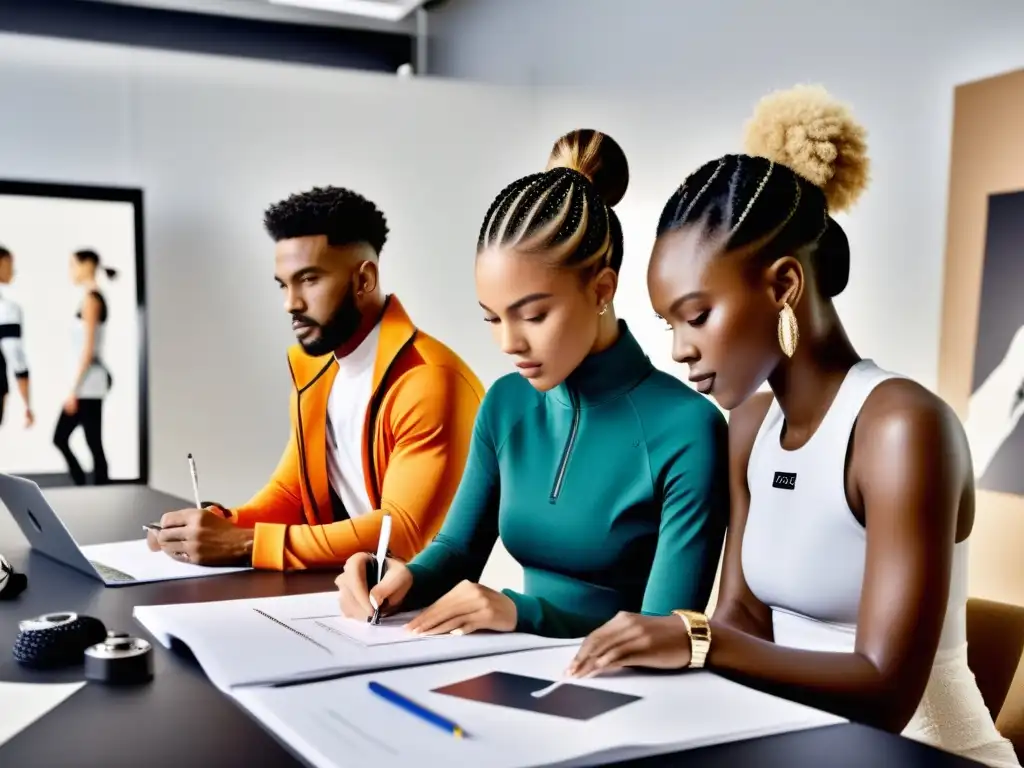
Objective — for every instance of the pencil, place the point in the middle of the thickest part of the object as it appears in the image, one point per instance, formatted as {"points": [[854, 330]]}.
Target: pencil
{"points": [[195, 480], [413, 708]]}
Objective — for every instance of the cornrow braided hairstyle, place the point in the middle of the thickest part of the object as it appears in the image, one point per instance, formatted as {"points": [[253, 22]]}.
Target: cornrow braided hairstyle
{"points": [[806, 159], [565, 212], [344, 217]]}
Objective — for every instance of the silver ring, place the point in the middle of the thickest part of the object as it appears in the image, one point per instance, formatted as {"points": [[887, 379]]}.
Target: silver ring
{"points": [[183, 555]]}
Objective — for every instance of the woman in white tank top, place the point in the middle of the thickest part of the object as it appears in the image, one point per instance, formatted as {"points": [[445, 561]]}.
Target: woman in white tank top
{"points": [[844, 584]]}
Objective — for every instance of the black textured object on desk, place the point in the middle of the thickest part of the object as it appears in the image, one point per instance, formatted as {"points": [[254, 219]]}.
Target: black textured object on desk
{"points": [[56, 640]]}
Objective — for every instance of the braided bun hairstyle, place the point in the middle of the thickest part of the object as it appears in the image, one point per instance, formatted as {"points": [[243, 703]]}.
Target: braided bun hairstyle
{"points": [[565, 212], [806, 159]]}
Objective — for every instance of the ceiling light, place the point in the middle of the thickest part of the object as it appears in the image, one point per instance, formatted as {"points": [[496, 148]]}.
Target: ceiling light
{"points": [[389, 10]]}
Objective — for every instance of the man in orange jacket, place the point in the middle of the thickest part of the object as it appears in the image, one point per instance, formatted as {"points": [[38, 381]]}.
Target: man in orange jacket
{"points": [[382, 414]]}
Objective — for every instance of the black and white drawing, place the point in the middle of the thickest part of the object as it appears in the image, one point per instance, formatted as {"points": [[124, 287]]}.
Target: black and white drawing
{"points": [[994, 426]]}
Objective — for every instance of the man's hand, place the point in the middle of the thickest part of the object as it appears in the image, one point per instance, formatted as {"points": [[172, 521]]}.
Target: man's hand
{"points": [[71, 404], [468, 607], [202, 537]]}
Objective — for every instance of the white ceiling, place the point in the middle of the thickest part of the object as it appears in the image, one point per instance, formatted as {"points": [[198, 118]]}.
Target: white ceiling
{"points": [[272, 11]]}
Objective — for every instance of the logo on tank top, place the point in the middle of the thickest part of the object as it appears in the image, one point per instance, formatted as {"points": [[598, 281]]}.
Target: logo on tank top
{"points": [[784, 480]]}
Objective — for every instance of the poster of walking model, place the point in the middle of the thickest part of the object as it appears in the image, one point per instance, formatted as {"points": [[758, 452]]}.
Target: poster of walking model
{"points": [[993, 424], [65, 250]]}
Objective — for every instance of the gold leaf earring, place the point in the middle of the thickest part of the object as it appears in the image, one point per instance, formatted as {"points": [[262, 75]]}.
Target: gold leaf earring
{"points": [[789, 331], [603, 309]]}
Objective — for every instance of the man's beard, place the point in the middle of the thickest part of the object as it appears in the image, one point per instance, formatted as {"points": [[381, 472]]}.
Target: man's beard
{"points": [[339, 328]]}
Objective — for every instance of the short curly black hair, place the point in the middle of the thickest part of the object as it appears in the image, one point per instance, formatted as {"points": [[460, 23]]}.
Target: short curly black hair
{"points": [[344, 216]]}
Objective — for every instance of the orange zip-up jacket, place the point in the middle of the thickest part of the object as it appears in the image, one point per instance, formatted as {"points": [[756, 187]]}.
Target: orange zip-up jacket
{"points": [[417, 431]]}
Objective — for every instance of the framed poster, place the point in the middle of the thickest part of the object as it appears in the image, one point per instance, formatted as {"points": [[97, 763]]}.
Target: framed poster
{"points": [[72, 269], [981, 354], [993, 422]]}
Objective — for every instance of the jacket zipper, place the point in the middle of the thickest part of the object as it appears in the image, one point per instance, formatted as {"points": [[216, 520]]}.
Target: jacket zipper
{"points": [[302, 441], [371, 420], [567, 450]]}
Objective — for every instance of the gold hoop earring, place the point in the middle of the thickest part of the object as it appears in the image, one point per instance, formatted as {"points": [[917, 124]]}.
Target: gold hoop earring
{"points": [[789, 331]]}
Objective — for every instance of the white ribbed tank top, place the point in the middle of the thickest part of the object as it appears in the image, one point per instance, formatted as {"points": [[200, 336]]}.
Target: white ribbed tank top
{"points": [[96, 382], [804, 552]]}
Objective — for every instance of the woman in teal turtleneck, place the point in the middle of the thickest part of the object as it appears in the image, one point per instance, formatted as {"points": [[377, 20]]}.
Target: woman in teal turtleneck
{"points": [[605, 478]]}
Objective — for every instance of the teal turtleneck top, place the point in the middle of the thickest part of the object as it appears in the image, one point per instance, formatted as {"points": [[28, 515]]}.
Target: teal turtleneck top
{"points": [[611, 490]]}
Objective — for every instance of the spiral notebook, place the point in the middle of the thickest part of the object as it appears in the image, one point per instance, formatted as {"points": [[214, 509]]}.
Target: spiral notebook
{"points": [[296, 638]]}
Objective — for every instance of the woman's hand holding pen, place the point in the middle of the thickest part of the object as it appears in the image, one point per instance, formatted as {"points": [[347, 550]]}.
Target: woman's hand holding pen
{"points": [[358, 601], [469, 607]]}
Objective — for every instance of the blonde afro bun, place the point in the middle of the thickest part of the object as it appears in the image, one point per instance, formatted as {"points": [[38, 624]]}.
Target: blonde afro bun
{"points": [[816, 137]]}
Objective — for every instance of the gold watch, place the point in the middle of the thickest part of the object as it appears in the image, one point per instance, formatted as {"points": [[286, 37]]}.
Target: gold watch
{"points": [[699, 630]]}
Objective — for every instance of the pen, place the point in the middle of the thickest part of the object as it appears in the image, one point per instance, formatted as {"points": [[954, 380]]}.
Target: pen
{"points": [[413, 708], [154, 527], [382, 554], [382, 545], [195, 480]]}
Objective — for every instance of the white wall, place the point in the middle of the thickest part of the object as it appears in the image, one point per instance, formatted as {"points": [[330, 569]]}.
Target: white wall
{"points": [[212, 142], [673, 82], [42, 232]]}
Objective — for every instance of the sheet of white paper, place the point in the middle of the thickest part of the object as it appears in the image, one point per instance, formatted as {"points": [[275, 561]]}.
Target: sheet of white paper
{"points": [[21, 704], [263, 641], [388, 632], [341, 721], [134, 558]]}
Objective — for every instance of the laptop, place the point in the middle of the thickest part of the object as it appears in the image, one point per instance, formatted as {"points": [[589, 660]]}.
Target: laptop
{"points": [[116, 564]]}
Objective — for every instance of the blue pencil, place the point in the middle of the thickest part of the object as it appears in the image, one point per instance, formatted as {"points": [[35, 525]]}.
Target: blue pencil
{"points": [[413, 708]]}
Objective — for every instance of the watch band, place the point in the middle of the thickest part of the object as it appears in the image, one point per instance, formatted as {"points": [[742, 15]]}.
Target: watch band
{"points": [[699, 630]]}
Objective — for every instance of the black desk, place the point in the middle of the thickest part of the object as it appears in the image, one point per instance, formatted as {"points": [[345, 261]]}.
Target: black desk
{"points": [[180, 719]]}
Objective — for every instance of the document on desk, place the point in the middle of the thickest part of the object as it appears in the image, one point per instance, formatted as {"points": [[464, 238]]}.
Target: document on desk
{"points": [[295, 638], [390, 631], [135, 559], [340, 721], [21, 704]]}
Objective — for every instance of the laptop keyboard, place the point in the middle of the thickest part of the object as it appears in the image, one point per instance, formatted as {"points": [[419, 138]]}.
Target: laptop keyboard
{"points": [[111, 574]]}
